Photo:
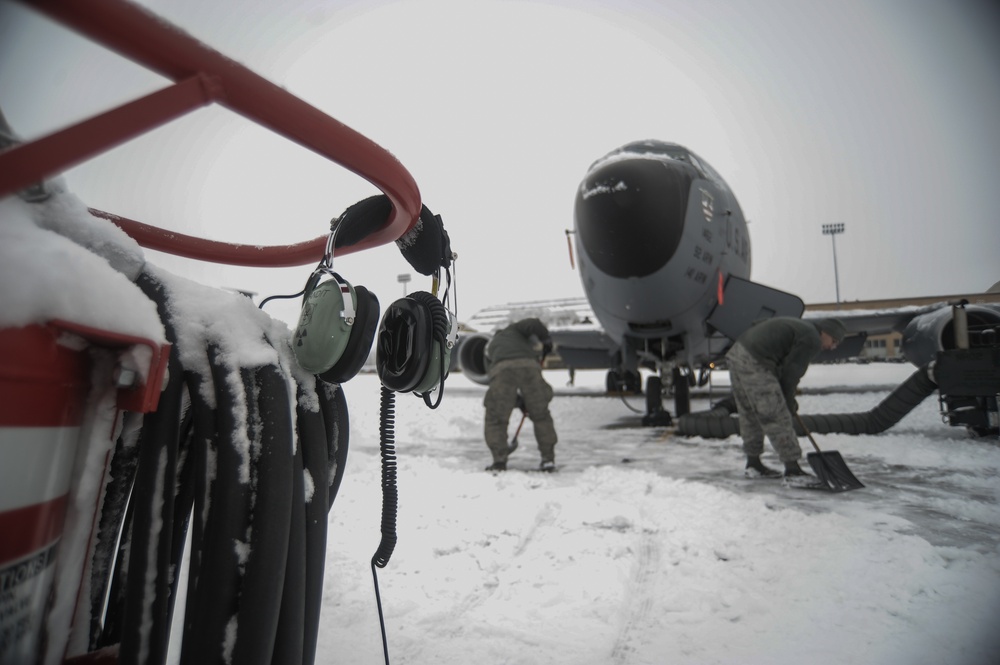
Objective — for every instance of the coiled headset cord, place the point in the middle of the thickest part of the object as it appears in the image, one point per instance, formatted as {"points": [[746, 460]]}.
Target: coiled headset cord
{"points": [[390, 499]]}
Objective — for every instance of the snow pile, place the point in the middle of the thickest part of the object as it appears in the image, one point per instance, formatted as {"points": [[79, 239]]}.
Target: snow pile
{"points": [[59, 262]]}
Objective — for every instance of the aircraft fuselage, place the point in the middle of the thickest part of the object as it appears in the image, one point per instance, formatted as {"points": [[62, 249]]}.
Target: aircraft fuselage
{"points": [[657, 233]]}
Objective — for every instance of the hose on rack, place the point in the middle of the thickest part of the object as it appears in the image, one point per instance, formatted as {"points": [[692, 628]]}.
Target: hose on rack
{"points": [[248, 459]]}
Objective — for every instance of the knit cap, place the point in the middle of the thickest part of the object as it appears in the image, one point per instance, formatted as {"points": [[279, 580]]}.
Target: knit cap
{"points": [[835, 328]]}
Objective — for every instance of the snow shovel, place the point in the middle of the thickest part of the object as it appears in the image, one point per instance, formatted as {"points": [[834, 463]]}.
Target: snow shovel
{"points": [[519, 404], [512, 446], [831, 469]]}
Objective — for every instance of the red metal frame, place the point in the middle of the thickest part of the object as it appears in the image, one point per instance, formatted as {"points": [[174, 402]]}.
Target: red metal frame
{"points": [[202, 76]]}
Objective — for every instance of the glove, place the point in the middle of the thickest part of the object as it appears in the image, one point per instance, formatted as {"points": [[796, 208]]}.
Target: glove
{"points": [[793, 406], [520, 403], [546, 348]]}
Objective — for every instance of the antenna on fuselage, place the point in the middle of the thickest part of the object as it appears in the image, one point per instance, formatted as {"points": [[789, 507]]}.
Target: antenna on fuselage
{"points": [[569, 244]]}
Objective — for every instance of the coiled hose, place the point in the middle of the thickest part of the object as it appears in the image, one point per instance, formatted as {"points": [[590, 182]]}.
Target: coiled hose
{"points": [[226, 456], [719, 422]]}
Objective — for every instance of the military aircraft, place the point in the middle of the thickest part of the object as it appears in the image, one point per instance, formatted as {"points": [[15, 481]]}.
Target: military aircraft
{"points": [[664, 258]]}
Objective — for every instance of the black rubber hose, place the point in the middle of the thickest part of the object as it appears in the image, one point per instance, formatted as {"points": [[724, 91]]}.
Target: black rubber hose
{"points": [[107, 579], [313, 443], [269, 427], [222, 518], [258, 547], [183, 503], [718, 423], [333, 405], [889, 411], [145, 629], [289, 633], [118, 522], [202, 459]]}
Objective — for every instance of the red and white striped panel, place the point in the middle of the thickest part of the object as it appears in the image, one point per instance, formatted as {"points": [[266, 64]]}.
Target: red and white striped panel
{"points": [[42, 391]]}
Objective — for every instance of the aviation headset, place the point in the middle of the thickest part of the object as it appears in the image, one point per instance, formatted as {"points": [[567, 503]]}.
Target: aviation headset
{"points": [[338, 321], [337, 324]]}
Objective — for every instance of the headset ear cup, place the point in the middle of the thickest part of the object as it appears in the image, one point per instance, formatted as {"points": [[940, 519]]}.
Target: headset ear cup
{"points": [[359, 343], [440, 355], [411, 351], [401, 357]]}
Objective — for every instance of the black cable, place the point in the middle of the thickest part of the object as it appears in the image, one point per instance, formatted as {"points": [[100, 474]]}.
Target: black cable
{"points": [[270, 298], [439, 334], [390, 500], [440, 392]]}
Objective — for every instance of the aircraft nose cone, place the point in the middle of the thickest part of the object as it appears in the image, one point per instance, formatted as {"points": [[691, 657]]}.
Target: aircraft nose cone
{"points": [[629, 214]]}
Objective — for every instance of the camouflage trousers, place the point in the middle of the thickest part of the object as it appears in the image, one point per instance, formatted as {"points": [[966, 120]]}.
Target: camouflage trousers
{"points": [[507, 378], [762, 407]]}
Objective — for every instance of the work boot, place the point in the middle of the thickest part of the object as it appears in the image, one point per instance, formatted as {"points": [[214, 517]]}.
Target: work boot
{"points": [[794, 476], [497, 466], [547, 465], [756, 469], [792, 468]]}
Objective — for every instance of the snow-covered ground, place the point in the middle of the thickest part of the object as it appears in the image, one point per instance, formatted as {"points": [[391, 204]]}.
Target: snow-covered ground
{"points": [[645, 548], [671, 556]]}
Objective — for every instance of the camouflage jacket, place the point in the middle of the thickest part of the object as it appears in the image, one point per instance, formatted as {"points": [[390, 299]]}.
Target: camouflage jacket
{"points": [[785, 346], [515, 341]]}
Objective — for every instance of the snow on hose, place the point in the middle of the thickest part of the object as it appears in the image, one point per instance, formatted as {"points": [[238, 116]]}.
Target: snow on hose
{"points": [[256, 468]]}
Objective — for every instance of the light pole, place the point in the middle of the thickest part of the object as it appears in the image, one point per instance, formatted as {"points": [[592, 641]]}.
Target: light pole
{"points": [[403, 279], [832, 230]]}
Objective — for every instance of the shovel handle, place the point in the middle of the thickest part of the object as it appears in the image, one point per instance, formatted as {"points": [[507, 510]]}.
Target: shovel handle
{"points": [[518, 430], [808, 433]]}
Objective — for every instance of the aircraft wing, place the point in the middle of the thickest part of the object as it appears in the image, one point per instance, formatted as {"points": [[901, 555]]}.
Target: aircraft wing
{"points": [[874, 322], [925, 330]]}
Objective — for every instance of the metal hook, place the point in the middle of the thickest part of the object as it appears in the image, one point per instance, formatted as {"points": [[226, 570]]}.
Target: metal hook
{"points": [[331, 242]]}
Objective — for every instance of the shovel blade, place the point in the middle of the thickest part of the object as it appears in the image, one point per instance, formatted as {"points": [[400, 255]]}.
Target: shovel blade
{"points": [[831, 470]]}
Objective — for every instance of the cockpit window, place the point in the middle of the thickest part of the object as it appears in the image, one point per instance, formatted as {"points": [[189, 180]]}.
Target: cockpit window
{"points": [[708, 173], [674, 151]]}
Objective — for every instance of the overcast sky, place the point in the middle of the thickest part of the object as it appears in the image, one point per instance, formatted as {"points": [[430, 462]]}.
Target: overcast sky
{"points": [[882, 115]]}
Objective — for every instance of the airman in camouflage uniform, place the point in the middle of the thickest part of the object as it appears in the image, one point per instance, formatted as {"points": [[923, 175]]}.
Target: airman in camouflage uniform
{"points": [[765, 366], [514, 366]]}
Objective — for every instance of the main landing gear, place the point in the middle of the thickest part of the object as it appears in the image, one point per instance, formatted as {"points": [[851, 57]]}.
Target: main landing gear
{"points": [[627, 381], [656, 415]]}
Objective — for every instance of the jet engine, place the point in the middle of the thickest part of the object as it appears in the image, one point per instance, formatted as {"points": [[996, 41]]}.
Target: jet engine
{"points": [[929, 333], [469, 356]]}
